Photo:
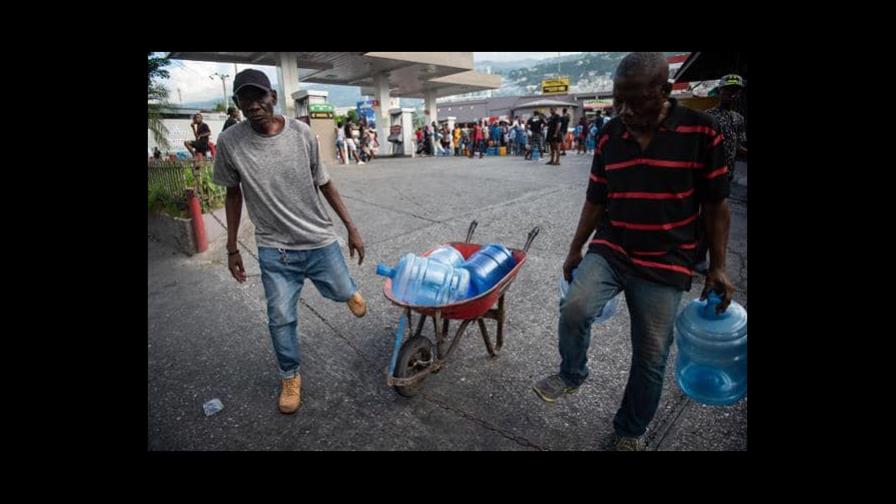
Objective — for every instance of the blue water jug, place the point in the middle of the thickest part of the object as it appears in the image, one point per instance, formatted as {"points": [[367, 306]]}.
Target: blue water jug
{"points": [[712, 351], [488, 266], [446, 254], [536, 154], [423, 282], [609, 309]]}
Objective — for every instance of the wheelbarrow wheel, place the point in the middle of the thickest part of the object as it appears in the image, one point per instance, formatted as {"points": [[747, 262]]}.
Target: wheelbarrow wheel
{"points": [[415, 355]]}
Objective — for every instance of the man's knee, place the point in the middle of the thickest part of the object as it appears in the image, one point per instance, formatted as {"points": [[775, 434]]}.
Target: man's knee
{"points": [[280, 314], [650, 352], [574, 310]]}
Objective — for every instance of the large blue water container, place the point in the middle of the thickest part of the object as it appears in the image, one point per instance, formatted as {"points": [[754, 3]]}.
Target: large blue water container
{"points": [[712, 351], [423, 282], [605, 314], [488, 266], [446, 254]]}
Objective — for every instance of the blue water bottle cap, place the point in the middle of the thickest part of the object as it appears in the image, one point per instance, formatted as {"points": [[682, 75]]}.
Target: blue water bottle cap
{"points": [[712, 301]]}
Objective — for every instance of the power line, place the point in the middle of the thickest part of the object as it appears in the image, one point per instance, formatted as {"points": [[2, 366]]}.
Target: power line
{"points": [[223, 78]]}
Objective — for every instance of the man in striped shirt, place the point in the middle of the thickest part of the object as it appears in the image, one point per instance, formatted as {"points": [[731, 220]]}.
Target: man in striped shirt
{"points": [[656, 165]]}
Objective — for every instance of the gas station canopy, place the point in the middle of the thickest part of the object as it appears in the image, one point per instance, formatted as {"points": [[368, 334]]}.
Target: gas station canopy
{"points": [[409, 74], [383, 75]]}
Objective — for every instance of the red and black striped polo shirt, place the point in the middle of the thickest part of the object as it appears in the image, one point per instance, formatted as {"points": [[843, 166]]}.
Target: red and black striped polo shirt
{"points": [[652, 197]]}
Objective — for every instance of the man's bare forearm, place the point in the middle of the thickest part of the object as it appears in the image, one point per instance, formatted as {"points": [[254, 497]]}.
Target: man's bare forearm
{"points": [[335, 200], [233, 206]]}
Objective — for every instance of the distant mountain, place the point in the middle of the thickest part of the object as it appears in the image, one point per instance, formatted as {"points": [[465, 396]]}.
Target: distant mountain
{"points": [[203, 105], [499, 66], [586, 71]]}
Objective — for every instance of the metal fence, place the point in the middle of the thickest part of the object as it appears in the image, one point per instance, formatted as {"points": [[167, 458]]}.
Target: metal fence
{"points": [[168, 180]]}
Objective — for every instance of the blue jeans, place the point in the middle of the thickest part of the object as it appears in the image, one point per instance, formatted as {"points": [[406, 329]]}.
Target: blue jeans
{"points": [[283, 274], [652, 307]]}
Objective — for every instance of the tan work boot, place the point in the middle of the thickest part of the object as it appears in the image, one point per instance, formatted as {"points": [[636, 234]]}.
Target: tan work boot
{"points": [[357, 304], [291, 394]]}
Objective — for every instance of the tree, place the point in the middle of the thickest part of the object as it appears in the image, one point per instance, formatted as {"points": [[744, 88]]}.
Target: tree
{"points": [[157, 97], [220, 107], [352, 115]]}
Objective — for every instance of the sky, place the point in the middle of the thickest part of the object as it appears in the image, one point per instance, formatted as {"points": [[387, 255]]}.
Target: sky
{"points": [[195, 85], [513, 56]]}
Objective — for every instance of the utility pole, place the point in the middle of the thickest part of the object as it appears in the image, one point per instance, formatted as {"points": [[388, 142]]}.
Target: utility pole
{"points": [[180, 100], [223, 85]]}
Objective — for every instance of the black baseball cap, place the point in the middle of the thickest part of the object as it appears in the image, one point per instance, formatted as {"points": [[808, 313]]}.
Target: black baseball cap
{"points": [[251, 77], [732, 80]]}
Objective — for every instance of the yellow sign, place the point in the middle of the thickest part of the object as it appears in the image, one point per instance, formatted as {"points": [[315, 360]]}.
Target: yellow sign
{"points": [[555, 86]]}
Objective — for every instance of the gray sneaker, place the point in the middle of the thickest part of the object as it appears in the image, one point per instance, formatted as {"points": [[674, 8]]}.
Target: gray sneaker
{"points": [[552, 388], [629, 444]]}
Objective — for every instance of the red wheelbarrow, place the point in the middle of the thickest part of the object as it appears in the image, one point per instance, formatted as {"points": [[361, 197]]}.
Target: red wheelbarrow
{"points": [[417, 357]]}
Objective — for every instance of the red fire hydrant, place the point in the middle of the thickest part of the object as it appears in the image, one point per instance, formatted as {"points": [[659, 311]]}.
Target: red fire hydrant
{"points": [[198, 222]]}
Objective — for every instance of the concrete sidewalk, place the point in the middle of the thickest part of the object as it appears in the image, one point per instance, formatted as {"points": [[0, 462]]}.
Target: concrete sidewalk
{"points": [[208, 335]]}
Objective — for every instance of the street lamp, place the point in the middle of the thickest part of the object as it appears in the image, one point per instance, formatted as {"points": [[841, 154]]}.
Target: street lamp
{"points": [[223, 85]]}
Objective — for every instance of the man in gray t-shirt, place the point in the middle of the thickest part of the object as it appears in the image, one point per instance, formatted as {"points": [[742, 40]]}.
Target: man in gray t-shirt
{"points": [[274, 162]]}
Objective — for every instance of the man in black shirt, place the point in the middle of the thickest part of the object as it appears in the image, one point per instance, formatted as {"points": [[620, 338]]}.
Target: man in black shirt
{"points": [[233, 117], [554, 137], [564, 128], [535, 123], [202, 133], [656, 166]]}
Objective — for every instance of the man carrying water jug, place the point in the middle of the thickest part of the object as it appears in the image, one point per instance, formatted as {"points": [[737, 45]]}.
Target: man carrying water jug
{"points": [[274, 161], [656, 165]]}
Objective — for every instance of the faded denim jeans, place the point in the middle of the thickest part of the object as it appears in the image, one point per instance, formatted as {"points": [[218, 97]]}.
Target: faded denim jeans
{"points": [[283, 273], [652, 307]]}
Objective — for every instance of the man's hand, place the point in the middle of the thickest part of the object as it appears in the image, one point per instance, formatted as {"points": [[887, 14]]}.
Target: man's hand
{"points": [[572, 260], [355, 243], [235, 265], [717, 280]]}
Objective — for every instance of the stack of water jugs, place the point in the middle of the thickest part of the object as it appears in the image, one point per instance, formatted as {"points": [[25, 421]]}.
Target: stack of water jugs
{"points": [[444, 277]]}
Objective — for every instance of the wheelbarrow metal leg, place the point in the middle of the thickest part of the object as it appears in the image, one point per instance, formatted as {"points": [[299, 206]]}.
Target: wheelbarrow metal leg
{"points": [[457, 336], [485, 338], [440, 338], [500, 335], [419, 324]]}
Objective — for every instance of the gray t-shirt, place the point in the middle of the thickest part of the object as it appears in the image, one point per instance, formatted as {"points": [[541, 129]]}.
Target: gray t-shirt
{"points": [[279, 175]]}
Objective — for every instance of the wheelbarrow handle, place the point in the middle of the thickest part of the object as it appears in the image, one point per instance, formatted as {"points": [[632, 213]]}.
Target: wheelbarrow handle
{"points": [[470, 231], [532, 235]]}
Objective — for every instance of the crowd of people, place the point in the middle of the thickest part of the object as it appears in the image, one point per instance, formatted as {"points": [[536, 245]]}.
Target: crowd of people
{"points": [[549, 135], [356, 141]]}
